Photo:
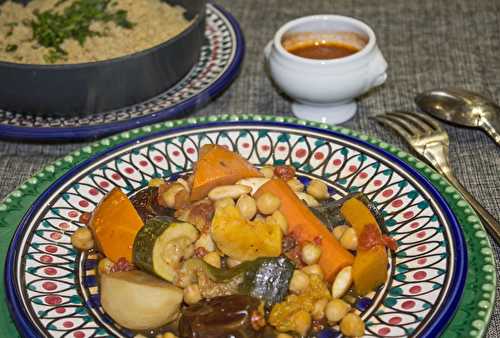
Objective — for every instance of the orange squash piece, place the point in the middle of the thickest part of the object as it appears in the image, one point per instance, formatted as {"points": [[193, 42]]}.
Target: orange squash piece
{"points": [[115, 223], [306, 227], [358, 215], [218, 166], [370, 266], [369, 269]]}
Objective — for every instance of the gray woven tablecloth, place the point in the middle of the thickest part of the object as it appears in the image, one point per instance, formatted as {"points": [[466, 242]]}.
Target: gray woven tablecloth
{"points": [[426, 43]]}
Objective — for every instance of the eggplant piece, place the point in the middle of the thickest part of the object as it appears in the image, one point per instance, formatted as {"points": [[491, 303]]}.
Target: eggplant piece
{"points": [[146, 203], [265, 278], [329, 211], [225, 316]]}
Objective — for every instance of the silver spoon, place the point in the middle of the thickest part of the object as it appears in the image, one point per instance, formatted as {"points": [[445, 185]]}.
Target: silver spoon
{"points": [[462, 107]]}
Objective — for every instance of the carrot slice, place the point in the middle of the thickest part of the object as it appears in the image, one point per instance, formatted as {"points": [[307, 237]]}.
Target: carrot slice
{"points": [[306, 227], [218, 166]]}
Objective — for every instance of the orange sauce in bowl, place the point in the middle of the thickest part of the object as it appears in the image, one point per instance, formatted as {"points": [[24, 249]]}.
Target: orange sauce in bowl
{"points": [[322, 50]]}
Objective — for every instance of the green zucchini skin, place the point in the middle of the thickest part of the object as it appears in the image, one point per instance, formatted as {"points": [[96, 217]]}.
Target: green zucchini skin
{"points": [[144, 243], [266, 278]]}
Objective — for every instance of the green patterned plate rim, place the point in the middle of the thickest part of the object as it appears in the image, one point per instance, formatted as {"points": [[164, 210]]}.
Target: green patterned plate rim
{"points": [[476, 305]]}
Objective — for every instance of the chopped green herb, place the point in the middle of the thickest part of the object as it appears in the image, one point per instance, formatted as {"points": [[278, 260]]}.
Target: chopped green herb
{"points": [[60, 2], [51, 29], [11, 48], [55, 55], [11, 26]]}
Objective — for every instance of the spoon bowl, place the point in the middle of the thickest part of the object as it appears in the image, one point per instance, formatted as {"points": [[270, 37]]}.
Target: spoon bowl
{"points": [[463, 108]]}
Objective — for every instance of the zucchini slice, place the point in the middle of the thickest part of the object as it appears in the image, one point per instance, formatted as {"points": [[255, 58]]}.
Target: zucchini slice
{"points": [[159, 246]]}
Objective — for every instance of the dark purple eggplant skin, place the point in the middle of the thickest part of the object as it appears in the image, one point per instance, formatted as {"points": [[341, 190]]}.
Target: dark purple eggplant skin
{"points": [[220, 317], [145, 202]]}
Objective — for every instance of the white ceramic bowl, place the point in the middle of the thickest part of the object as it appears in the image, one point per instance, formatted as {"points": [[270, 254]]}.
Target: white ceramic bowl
{"points": [[324, 90]]}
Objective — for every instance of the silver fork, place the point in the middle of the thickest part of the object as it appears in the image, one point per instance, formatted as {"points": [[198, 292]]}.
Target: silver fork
{"points": [[430, 141]]}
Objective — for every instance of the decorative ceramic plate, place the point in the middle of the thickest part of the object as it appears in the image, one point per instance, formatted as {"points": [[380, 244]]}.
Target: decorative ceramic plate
{"points": [[219, 62], [437, 283]]}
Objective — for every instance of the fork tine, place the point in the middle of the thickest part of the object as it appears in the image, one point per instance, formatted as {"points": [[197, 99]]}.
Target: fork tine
{"points": [[411, 118], [402, 121], [393, 125], [430, 121]]}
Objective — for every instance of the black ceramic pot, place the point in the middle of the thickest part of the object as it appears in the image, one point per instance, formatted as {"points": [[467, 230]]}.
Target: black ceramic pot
{"points": [[80, 89]]}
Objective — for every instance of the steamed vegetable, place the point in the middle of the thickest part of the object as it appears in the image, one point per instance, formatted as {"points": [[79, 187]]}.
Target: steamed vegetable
{"points": [[266, 278], [146, 203], [242, 239], [358, 215], [139, 301], [218, 166], [370, 264], [306, 227], [329, 211], [369, 269], [161, 245], [226, 316], [114, 224]]}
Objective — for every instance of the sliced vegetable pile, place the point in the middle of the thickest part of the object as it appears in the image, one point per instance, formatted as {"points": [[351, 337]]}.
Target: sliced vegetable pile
{"points": [[233, 251]]}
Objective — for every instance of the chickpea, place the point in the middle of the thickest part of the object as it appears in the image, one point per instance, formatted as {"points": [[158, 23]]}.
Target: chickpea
{"points": [[302, 322], [299, 282], [155, 182], [318, 190], [192, 294], [295, 184], [310, 253], [104, 265], [278, 218], [169, 195], [268, 203], [247, 206], [267, 171], [213, 259], [352, 325], [314, 269], [318, 311], [349, 239], [339, 230], [225, 202], [336, 309], [82, 239]]}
